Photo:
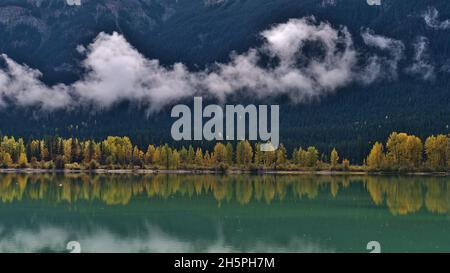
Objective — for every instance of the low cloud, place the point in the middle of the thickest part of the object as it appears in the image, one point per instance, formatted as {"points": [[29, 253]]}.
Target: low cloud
{"points": [[422, 64], [20, 85], [382, 66], [328, 3], [446, 67], [431, 17], [283, 65], [301, 79], [214, 2]]}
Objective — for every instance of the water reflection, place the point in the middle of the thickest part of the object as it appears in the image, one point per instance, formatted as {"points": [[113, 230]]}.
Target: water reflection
{"points": [[401, 195], [53, 238]]}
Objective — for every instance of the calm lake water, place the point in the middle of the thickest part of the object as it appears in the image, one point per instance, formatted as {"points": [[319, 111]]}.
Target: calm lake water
{"points": [[235, 213]]}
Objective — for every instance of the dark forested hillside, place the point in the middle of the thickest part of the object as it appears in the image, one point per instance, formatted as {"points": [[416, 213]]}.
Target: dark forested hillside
{"points": [[44, 35]]}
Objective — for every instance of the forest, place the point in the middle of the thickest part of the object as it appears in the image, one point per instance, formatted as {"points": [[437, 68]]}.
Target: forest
{"points": [[400, 153], [347, 120]]}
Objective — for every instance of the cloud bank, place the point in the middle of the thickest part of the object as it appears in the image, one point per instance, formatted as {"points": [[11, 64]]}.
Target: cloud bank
{"points": [[284, 64]]}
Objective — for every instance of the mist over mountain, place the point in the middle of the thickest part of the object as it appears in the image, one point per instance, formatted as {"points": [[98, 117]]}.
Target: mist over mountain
{"points": [[362, 71]]}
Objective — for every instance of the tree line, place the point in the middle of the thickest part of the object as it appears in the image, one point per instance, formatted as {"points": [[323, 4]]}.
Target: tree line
{"points": [[402, 152]]}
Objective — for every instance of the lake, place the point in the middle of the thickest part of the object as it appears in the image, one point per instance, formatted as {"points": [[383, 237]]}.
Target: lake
{"points": [[215, 213]]}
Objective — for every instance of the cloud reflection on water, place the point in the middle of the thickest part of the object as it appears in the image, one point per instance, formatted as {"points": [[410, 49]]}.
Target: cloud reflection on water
{"points": [[52, 238]]}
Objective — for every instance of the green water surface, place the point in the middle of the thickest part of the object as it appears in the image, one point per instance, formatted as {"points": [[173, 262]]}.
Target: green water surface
{"points": [[213, 213]]}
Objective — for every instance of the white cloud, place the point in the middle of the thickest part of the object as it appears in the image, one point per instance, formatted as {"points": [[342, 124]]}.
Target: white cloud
{"points": [[285, 43], [382, 66], [115, 71], [431, 17], [422, 65], [20, 85]]}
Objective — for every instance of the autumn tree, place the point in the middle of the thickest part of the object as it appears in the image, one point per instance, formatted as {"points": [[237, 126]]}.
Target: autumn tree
{"points": [[437, 149], [269, 158], [312, 156], [89, 151], [175, 160], [248, 153], [258, 158], [404, 151], [156, 158], [220, 153], [346, 164], [22, 161], [199, 157], [244, 153], [191, 155], [166, 156], [207, 160], [137, 157], [6, 159], [334, 158], [184, 155], [376, 157], [240, 153], [281, 156], [300, 157], [149, 154], [294, 156], [35, 149], [229, 154]]}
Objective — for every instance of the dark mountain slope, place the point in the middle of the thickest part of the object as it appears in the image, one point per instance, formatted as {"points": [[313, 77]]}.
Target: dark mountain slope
{"points": [[44, 34]]}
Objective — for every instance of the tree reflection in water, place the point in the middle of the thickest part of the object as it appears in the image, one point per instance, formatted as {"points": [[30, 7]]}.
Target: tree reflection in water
{"points": [[401, 195]]}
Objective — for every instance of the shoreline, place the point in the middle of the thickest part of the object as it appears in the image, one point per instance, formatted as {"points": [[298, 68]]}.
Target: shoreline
{"points": [[218, 172]]}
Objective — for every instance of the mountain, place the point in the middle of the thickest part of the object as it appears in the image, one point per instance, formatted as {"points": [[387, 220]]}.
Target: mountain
{"points": [[45, 35]]}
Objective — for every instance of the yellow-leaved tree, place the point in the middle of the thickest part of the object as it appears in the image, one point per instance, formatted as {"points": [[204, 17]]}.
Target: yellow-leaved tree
{"points": [[334, 158], [376, 157]]}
